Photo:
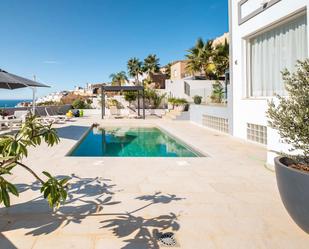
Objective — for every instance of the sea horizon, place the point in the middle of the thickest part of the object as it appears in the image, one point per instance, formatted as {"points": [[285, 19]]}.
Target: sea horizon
{"points": [[8, 103]]}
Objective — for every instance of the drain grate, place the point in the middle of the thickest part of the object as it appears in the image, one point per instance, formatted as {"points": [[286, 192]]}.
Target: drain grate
{"points": [[167, 239]]}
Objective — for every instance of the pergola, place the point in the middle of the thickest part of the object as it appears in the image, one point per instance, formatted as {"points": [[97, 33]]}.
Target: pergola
{"points": [[140, 93]]}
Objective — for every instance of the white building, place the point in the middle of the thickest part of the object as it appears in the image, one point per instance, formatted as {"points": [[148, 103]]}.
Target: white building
{"points": [[266, 37]]}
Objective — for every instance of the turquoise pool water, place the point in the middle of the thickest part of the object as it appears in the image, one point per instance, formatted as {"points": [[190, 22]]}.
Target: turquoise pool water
{"points": [[131, 142]]}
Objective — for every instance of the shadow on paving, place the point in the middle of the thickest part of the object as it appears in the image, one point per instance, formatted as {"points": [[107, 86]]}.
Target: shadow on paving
{"points": [[88, 197], [147, 230], [73, 132]]}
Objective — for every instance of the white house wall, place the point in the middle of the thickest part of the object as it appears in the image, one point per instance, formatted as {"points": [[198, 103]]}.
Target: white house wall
{"points": [[244, 110], [175, 88]]}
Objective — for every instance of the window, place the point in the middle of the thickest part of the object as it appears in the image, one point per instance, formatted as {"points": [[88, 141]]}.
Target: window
{"points": [[273, 51], [187, 88], [175, 73]]}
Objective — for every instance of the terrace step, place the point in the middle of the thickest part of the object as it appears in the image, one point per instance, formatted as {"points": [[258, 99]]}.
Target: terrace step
{"points": [[176, 115]]}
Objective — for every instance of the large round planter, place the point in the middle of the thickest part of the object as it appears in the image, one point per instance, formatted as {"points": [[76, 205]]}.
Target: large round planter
{"points": [[293, 186], [180, 108]]}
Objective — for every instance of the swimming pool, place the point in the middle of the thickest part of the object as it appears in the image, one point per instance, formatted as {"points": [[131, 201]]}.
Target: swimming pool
{"points": [[131, 142]]}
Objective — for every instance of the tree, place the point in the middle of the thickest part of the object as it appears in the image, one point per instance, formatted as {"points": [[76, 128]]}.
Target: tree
{"points": [[130, 96], [13, 148], [80, 104], [151, 64], [135, 68], [168, 71], [291, 116], [119, 79], [221, 58], [200, 58]]}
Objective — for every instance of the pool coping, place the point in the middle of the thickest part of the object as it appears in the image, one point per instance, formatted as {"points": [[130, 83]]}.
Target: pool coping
{"points": [[192, 149]]}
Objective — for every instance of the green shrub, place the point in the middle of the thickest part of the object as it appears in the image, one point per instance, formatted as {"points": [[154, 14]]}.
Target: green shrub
{"points": [[217, 92], [180, 101], [80, 104], [197, 99], [130, 96], [48, 103], [291, 116]]}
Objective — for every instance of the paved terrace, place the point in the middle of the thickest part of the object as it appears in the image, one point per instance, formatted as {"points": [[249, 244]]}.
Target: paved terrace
{"points": [[226, 200]]}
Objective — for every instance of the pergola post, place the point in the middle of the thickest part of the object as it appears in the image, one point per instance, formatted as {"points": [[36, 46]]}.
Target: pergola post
{"points": [[138, 104], [103, 101], [143, 103]]}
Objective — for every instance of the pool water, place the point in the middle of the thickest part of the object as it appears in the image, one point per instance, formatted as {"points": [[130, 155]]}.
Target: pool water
{"points": [[131, 142]]}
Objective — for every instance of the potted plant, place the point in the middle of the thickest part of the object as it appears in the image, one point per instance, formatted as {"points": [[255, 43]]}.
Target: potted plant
{"points": [[217, 92], [171, 103], [197, 99], [180, 104], [3, 113], [290, 117]]}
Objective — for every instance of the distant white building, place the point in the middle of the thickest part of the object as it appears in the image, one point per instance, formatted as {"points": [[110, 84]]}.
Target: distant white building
{"points": [[266, 37], [55, 97]]}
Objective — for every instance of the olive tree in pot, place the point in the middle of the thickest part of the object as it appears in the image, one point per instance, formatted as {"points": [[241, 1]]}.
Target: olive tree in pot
{"points": [[290, 117]]}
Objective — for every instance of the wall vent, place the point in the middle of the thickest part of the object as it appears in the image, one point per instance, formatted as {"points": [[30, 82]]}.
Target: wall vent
{"points": [[257, 133], [216, 123]]}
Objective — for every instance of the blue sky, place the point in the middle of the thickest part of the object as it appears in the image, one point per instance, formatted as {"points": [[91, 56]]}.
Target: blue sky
{"points": [[71, 42]]}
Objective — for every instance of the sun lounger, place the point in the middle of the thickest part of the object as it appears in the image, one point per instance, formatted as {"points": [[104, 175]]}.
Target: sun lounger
{"points": [[16, 119], [114, 112], [132, 113], [51, 113]]}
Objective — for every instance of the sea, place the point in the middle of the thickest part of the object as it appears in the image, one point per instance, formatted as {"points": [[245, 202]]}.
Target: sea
{"points": [[12, 102]]}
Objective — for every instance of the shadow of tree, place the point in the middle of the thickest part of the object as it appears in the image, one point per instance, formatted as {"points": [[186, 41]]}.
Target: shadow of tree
{"points": [[147, 230], [86, 196], [73, 132]]}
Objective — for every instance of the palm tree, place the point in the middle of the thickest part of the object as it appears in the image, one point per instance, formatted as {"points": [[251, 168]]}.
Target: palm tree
{"points": [[221, 58], [168, 71], [151, 64], [119, 79], [200, 58], [135, 68]]}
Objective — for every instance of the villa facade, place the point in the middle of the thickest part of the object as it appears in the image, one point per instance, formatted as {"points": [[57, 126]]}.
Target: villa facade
{"points": [[266, 37]]}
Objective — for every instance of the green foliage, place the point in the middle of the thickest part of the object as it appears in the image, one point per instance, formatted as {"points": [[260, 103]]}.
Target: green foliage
{"points": [[203, 57], [48, 103], [13, 148], [291, 116], [221, 58], [197, 99], [119, 79], [153, 97], [200, 58], [168, 71], [135, 68], [114, 102], [130, 96], [217, 92], [54, 190], [177, 101], [151, 64], [3, 113], [81, 104]]}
